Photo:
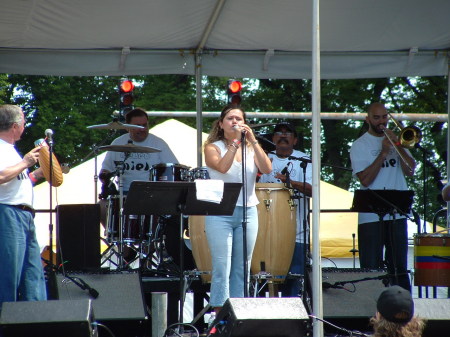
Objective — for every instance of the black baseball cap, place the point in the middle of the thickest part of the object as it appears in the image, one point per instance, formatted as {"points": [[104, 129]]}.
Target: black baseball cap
{"points": [[285, 125], [396, 305]]}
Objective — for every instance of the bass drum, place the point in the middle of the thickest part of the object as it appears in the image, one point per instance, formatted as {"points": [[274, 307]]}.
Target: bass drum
{"points": [[275, 243], [432, 260], [136, 228], [169, 172]]}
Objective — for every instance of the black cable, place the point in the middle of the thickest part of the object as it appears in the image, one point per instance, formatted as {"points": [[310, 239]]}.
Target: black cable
{"points": [[170, 327], [350, 332], [106, 328]]}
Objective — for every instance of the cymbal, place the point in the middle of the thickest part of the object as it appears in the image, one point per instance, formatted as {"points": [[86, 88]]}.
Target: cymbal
{"points": [[115, 126], [129, 148]]}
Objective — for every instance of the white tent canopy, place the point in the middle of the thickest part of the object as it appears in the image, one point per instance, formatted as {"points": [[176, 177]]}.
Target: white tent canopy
{"points": [[247, 38]]}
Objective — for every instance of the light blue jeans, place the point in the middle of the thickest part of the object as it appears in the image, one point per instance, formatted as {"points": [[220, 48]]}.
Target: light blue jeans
{"points": [[21, 273], [225, 240]]}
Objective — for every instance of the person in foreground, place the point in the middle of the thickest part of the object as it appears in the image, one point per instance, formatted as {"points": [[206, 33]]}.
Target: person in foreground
{"points": [[378, 166], [21, 273], [395, 315], [285, 138], [223, 158]]}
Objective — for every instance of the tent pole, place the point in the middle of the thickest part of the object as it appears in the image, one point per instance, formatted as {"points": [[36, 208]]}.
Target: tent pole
{"points": [[316, 270], [199, 105], [448, 135]]}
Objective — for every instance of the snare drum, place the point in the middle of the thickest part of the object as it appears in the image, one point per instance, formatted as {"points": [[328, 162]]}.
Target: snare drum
{"points": [[135, 227], [169, 172], [275, 243], [432, 260]]}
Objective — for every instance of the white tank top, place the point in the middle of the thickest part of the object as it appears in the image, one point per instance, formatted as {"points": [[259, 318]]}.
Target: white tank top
{"points": [[234, 174]]}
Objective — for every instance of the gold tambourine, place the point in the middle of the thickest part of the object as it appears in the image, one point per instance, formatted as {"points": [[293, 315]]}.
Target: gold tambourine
{"points": [[44, 163]]}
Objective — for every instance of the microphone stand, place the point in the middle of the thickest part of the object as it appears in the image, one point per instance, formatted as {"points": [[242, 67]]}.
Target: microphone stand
{"points": [[76, 280], [244, 212], [303, 165], [50, 226]]}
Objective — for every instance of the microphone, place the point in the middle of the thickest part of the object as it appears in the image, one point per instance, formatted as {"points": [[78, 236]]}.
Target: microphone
{"points": [[284, 171], [94, 293], [326, 285], [238, 127], [303, 159], [49, 135]]}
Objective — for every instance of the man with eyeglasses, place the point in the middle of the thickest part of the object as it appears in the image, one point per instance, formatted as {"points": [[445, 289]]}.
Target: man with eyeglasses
{"points": [[293, 168], [21, 273]]}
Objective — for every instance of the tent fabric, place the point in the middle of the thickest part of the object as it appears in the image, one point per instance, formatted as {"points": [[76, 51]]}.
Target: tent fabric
{"points": [[249, 38]]}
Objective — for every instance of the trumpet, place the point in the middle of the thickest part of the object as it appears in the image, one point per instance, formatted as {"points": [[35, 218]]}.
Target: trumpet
{"points": [[409, 136]]}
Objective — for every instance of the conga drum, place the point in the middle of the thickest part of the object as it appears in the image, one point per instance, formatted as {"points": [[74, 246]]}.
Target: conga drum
{"points": [[275, 243], [432, 260], [200, 248]]}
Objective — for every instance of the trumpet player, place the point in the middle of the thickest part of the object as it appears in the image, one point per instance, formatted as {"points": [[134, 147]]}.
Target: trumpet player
{"points": [[379, 162]]}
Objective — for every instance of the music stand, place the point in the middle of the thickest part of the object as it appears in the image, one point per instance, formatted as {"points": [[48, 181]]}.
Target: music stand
{"points": [[177, 198], [382, 202]]}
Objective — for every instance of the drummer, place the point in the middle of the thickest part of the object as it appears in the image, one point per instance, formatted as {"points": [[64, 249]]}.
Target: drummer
{"points": [[285, 138], [138, 165]]}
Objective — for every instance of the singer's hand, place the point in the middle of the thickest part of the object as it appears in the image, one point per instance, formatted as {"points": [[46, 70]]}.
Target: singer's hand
{"points": [[31, 157], [244, 128]]}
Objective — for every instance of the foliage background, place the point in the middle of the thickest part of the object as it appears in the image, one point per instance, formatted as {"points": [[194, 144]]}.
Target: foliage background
{"points": [[69, 104]]}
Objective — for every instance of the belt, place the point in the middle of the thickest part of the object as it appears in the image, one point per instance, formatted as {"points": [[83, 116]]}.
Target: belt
{"points": [[25, 208]]}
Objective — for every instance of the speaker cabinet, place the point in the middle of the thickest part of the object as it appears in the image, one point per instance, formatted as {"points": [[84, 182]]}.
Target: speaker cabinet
{"points": [[48, 318], [120, 294], [78, 236], [351, 293], [349, 296], [274, 317]]}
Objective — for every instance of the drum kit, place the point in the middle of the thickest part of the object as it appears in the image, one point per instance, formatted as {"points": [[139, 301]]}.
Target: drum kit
{"points": [[141, 238]]}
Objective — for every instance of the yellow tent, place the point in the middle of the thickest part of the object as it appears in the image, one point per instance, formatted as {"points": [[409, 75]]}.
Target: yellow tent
{"points": [[336, 228]]}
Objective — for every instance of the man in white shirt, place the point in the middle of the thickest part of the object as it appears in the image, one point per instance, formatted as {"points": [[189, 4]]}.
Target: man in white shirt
{"points": [[293, 163], [21, 273], [377, 165]]}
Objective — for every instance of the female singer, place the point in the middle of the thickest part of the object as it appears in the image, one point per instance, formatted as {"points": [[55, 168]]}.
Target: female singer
{"points": [[223, 158]]}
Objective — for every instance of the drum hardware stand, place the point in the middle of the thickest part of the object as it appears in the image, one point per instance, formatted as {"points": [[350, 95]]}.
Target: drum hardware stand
{"points": [[354, 250], [261, 277], [177, 198], [110, 252]]}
